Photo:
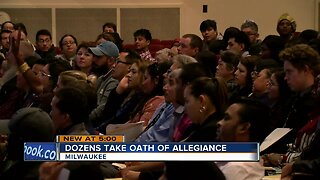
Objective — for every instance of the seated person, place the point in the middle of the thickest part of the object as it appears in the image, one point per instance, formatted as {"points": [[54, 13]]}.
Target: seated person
{"points": [[123, 101], [26, 125], [240, 125], [142, 39], [227, 66], [152, 89]]}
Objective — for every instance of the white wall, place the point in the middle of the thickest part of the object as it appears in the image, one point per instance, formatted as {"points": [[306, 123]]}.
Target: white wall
{"points": [[225, 12]]}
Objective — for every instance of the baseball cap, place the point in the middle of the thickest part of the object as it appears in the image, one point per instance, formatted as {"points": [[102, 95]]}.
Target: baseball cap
{"points": [[106, 48], [32, 124]]}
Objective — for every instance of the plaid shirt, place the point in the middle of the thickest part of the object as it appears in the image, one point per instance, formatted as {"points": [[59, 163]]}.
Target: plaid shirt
{"points": [[147, 56]]}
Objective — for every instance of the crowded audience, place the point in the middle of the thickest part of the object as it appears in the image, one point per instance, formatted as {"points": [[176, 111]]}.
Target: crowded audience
{"points": [[238, 87]]}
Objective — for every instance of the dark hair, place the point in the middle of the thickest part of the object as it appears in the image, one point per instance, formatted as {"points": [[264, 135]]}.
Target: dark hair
{"points": [[117, 40], [88, 90], [43, 32], [113, 37], [109, 25], [208, 24], [214, 88], [56, 67], [275, 44], [208, 60], [249, 62], [302, 55], [31, 60], [231, 59], [71, 102], [266, 64], [241, 38], [4, 31], [258, 115], [66, 35], [315, 44], [106, 36], [307, 35], [6, 22], [156, 71], [230, 31], [192, 71], [132, 56], [86, 45], [196, 41], [284, 90], [144, 33], [21, 27], [216, 46]]}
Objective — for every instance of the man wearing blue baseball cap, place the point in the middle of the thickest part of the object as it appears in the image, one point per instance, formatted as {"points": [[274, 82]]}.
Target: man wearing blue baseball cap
{"points": [[105, 55]]}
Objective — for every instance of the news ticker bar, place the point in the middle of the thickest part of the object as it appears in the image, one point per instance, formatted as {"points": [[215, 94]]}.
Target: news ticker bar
{"points": [[92, 151], [90, 138]]}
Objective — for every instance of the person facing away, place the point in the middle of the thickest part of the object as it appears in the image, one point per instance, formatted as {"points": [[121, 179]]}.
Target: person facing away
{"points": [[26, 125]]}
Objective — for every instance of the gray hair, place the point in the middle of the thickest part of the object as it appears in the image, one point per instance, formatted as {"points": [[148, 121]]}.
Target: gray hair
{"points": [[250, 24], [182, 60]]}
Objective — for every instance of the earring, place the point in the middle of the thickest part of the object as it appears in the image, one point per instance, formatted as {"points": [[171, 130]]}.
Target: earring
{"points": [[202, 109]]}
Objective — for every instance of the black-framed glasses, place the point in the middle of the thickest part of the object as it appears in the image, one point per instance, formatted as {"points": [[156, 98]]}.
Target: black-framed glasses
{"points": [[123, 62], [44, 41]]}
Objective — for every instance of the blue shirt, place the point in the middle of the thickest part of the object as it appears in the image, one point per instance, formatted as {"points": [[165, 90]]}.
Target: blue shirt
{"points": [[160, 131]]}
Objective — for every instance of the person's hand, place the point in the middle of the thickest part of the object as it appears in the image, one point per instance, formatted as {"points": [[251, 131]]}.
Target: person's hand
{"points": [[273, 159], [286, 171], [50, 170], [130, 175], [123, 85], [14, 54]]}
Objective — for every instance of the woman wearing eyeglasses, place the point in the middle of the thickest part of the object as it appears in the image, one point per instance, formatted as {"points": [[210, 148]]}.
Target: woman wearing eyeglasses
{"points": [[68, 45]]}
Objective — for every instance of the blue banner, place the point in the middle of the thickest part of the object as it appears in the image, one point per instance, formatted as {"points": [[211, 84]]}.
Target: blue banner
{"points": [[205, 147], [34, 151]]}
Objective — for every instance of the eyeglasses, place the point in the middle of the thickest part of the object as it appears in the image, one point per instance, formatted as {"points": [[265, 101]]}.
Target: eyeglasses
{"points": [[123, 62], [44, 40], [45, 74], [67, 43]]}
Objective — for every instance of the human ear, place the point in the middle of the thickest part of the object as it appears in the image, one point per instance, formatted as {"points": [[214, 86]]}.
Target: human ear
{"points": [[244, 128]]}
